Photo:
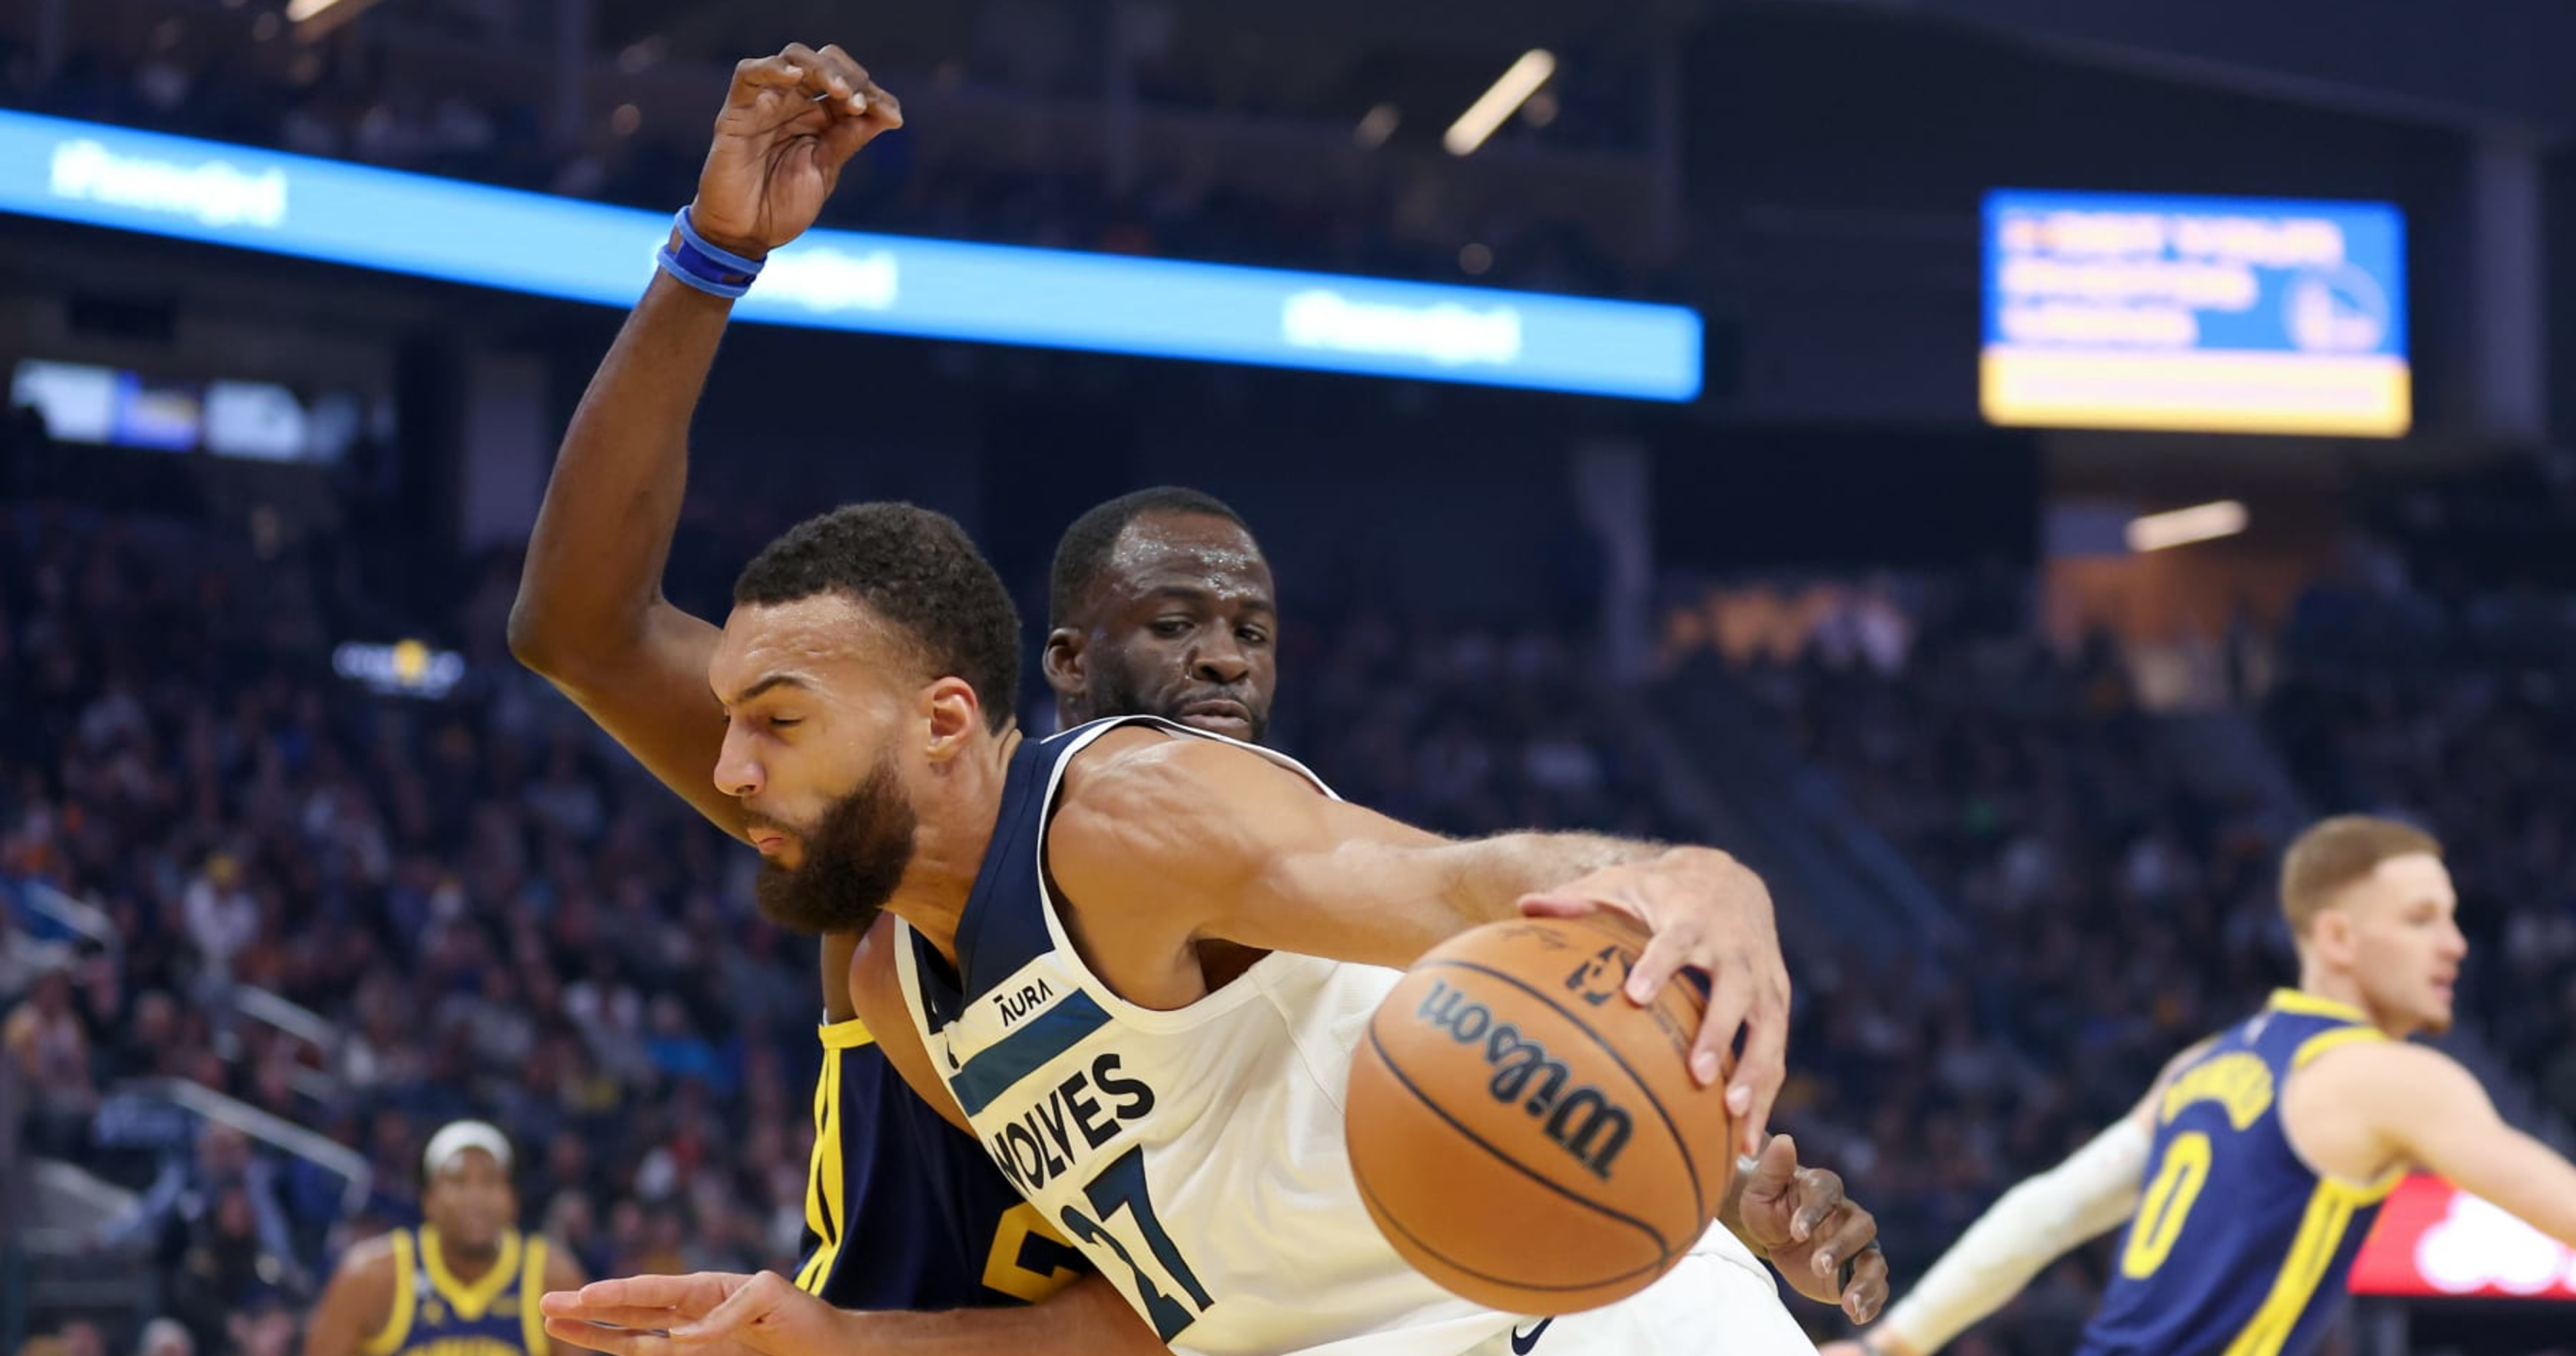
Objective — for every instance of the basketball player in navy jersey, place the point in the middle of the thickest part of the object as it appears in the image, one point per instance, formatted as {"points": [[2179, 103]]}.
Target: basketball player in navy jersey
{"points": [[464, 1283], [1163, 604], [2254, 1166]]}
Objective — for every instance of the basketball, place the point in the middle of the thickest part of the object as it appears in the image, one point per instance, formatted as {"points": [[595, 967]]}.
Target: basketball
{"points": [[1526, 1136]]}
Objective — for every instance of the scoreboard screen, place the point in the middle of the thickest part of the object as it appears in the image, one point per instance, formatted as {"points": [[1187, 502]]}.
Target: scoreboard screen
{"points": [[2218, 315]]}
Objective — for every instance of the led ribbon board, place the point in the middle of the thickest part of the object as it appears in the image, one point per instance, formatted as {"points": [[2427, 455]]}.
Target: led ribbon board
{"points": [[2435, 1241], [2222, 315], [556, 247]]}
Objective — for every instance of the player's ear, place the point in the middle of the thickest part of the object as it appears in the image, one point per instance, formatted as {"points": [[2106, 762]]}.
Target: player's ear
{"points": [[955, 714], [1062, 662], [2331, 933]]}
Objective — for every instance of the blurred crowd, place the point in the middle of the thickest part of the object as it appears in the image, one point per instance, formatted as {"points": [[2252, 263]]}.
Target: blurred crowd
{"points": [[205, 75]]}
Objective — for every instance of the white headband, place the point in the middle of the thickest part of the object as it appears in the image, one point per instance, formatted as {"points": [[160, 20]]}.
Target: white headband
{"points": [[458, 1136]]}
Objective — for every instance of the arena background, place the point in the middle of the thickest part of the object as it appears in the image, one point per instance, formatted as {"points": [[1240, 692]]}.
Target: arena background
{"points": [[296, 863]]}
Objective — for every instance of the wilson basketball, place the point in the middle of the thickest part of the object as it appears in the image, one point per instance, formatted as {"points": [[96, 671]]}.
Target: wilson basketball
{"points": [[1523, 1133]]}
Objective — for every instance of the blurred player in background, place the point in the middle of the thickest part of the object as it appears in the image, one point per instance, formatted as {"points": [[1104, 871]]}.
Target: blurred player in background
{"points": [[2256, 1164], [464, 1283]]}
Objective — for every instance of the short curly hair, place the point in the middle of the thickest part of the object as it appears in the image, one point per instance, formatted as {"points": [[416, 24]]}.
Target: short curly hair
{"points": [[1082, 553], [916, 569]]}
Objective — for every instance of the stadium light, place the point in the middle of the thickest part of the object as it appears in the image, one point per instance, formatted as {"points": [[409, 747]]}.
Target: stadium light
{"points": [[2183, 526], [1494, 105], [313, 18]]}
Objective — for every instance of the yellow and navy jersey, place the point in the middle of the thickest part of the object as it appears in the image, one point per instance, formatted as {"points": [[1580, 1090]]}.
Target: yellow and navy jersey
{"points": [[435, 1314], [904, 1210], [2239, 1248]]}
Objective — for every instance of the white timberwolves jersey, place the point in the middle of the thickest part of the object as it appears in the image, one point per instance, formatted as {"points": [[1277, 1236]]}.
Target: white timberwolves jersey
{"points": [[1197, 1156]]}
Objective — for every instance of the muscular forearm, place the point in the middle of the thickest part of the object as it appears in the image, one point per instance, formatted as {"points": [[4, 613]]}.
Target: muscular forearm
{"points": [[1088, 1318], [595, 563], [1489, 876]]}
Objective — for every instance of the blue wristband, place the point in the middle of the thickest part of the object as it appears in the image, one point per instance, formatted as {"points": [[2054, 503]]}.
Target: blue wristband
{"points": [[698, 272], [715, 271]]}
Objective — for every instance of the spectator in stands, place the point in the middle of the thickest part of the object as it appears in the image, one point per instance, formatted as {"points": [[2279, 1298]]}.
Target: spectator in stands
{"points": [[44, 1042]]}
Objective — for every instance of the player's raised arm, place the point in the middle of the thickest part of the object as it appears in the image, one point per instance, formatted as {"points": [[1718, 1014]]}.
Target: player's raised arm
{"points": [[2040, 1220], [2418, 1105], [1190, 840], [590, 614]]}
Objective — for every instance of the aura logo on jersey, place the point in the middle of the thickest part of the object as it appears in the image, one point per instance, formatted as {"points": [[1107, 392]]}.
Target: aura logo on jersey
{"points": [[1582, 1122], [1014, 1006], [1057, 1134]]}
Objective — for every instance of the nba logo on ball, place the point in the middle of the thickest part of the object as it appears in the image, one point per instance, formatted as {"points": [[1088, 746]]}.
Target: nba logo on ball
{"points": [[1526, 1136]]}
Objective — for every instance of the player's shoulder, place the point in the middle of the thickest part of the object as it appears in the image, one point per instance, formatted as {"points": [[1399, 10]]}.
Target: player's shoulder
{"points": [[372, 1261], [2368, 1063], [1141, 778]]}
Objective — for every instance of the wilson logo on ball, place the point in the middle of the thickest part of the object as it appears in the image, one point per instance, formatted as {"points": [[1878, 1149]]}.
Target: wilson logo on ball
{"points": [[1581, 1122]]}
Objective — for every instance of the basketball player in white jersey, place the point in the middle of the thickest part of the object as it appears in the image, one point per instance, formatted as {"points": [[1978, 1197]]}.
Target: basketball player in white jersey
{"points": [[1166, 1087], [895, 592]]}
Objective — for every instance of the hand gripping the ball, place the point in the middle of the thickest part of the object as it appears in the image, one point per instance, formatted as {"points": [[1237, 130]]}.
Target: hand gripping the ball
{"points": [[1705, 912]]}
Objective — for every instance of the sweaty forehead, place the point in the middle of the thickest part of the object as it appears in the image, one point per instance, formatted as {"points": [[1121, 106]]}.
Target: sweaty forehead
{"points": [[1192, 551], [811, 638]]}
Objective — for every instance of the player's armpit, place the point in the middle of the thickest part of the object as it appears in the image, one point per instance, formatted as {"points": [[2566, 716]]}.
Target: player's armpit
{"points": [[2429, 1110]]}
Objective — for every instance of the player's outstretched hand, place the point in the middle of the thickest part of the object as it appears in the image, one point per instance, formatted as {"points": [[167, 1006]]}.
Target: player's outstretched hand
{"points": [[709, 1314], [1812, 1231], [1709, 913], [789, 124]]}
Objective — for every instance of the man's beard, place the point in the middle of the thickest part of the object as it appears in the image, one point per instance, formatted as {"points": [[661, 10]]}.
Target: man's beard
{"points": [[1114, 691], [854, 859]]}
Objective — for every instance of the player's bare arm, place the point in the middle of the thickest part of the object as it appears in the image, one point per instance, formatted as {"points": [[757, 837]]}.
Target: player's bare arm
{"points": [[590, 614], [722, 1314], [1163, 842], [2372, 1107], [2040, 1220], [357, 1302]]}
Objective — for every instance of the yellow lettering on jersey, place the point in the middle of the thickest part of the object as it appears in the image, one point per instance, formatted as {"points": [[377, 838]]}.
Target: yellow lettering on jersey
{"points": [[2241, 1082], [1003, 1269]]}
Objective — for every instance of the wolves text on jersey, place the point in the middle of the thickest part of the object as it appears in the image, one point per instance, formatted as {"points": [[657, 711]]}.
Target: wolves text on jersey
{"points": [[1070, 1124]]}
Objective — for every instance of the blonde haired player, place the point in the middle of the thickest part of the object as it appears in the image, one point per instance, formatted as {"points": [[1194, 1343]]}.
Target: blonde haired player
{"points": [[465, 1283], [2255, 1165]]}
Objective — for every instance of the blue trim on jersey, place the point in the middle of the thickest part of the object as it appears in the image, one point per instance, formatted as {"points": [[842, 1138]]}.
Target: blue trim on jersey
{"points": [[993, 944], [1049, 1034]]}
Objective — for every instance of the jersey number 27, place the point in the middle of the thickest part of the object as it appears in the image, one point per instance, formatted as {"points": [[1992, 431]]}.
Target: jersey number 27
{"points": [[1173, 1297]]}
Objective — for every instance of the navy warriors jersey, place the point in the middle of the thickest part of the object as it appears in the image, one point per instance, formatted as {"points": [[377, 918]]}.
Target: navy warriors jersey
{"points": [[2239, 1248], [435, 1314], [1195, 1155], [903, 1210]]}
